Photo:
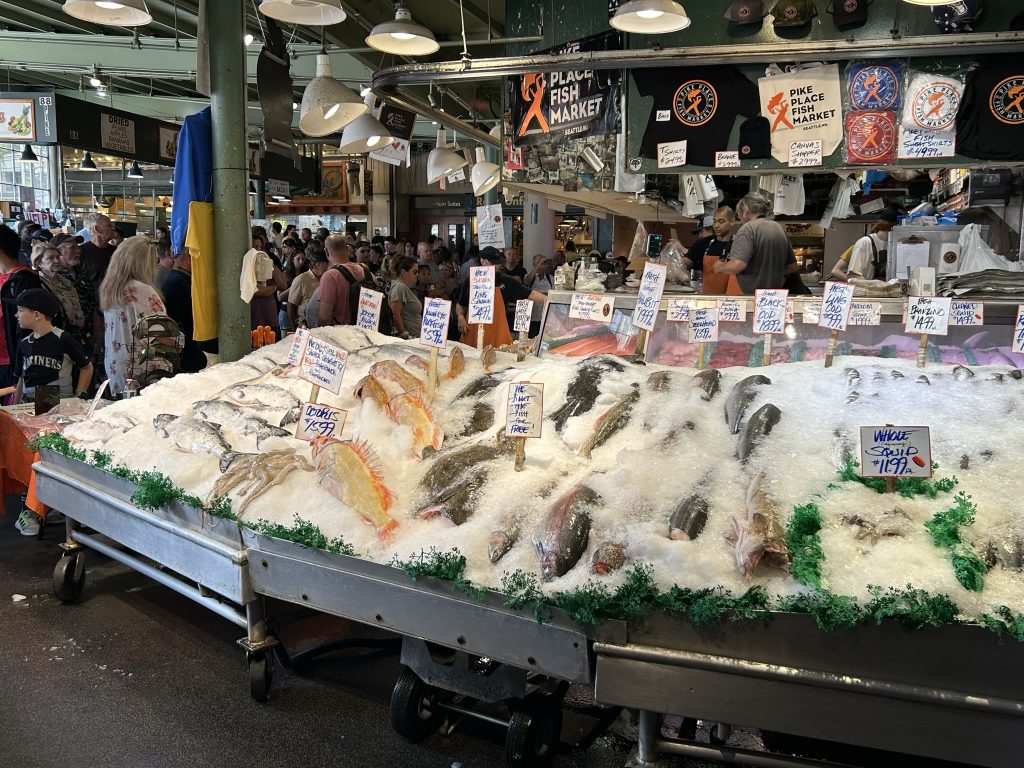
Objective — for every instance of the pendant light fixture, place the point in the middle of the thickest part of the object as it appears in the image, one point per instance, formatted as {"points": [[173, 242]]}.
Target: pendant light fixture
{"points": [[126, 13], [403, 36], [134, 172], [327, 105], [485, 175], [28, 156], [442, 161], [313, 13], [650, 17], [366, 133], [87, 164]]}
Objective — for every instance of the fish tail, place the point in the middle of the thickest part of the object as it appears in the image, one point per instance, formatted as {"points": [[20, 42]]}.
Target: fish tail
{"points": [[386, 531], [365, 454], [292, 417], [436, 438], [430, 512]]}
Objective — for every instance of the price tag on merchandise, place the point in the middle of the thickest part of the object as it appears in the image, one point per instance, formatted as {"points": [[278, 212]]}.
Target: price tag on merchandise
{"points": [[525, 416], [811, 312], [672, 154], [928, 314], [652, 284], [728, 159], [895, 452], [437, 313], [704, 325], [591, 306], [481, 295], [1018, 331], [323, 364], [298, 344], [865, 313], [679, 310], [524, 314], [731, 311], [836, 304], [370, 302], [319, 420], [805, 154], [967, 313], [770, 310]]}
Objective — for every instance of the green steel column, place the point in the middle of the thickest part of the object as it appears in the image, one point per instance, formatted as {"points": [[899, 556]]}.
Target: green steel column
{"points": [[259, 211], [225, 23]]}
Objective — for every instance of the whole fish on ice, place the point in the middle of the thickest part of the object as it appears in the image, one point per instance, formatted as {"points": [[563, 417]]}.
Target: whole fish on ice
{"points": [[688, 519], [759, 537], [456, 363], [411, 410], [609, 556], [757, 428], [504, 537], [194, 436], [740, 398], [370, 388], [708, 381], [223, 413], [480, 386], [267, 396], [349, 472], [611, 421], [561, 538], [584, 389], [390, 372]]}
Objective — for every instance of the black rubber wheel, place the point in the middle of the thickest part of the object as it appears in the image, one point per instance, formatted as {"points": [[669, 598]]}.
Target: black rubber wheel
{"points": [[69, 578], [415, 712], [261, 675], [533, 737], [715, 738]]}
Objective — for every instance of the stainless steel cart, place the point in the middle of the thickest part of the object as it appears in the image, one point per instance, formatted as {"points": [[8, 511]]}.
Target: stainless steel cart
{"points": [[180, 547]]}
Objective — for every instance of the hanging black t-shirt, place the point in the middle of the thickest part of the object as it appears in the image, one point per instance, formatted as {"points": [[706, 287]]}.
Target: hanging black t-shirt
{"points": [[695, 104], [990, 121], [47, 359]]}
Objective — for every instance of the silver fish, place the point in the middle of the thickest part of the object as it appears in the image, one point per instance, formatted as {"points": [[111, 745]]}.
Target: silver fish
{"points": [[254, 425], [688, 518], [896, 374], [222, 412], [758, 427], [195, 436], [262, 396], [610, 422], [740, 399], [608, 557], [962, 373], [708, 381], [853, 397], [877, 376], [760, 536], [504, 537], [561, 538], [922, 379], [852, 377]]}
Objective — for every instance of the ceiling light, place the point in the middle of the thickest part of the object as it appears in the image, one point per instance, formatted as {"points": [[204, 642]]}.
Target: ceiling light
{"points": [[650, 17], [365, 133], [87, 164], [485, 175], [127, 13], [365, 91], [402, 36], [95, 80], [135, 172], [327, 105], [442, 161], [28, 156], [314, 13], [248, 38], [295, 105], [570, 221]]}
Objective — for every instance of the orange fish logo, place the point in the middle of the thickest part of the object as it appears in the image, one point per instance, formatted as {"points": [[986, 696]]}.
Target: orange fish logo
{"points": [[778, 106], [695, 103], [1007, 101], [934, 106], [532, 90]]}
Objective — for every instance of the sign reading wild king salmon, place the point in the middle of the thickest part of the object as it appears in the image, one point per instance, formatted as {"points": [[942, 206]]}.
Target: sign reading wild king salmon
{"points": [[481, 295]]}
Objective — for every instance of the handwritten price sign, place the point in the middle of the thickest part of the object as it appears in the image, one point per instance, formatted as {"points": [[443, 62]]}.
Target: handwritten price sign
{"points": [[866, 313], [1018, 331], [967, 313], [928, 314], [481, 295], [770, 310], [672, 154], [731, 311], [652, 284], [525, 409], [591, 306], [368, 316], [318, 420], [895, 452], [524, 313], [835, 306], [811, 312], [323, 364], [298, 344], [437, 313], [679, 310], [727, 159], [805, 154], [704, 325]]}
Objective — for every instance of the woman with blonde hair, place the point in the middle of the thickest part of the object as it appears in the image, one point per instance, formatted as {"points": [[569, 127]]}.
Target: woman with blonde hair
{"points": [[127, 294]]}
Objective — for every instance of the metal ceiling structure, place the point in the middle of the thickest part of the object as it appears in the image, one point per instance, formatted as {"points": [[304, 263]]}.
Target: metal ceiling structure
{"points": [[151, 70]]}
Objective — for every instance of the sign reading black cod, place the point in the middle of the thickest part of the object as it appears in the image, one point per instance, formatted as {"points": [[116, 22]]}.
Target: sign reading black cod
{"points": [[572, 104]]}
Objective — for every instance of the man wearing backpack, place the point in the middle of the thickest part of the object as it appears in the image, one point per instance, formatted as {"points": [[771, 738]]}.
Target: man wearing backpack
{"points": [[336, 286]]}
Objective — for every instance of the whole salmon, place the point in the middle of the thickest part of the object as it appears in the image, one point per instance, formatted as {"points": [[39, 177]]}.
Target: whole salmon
{"points": [[740, 398], [611, 421], [760, 537], [348, 471], [561, 538]]}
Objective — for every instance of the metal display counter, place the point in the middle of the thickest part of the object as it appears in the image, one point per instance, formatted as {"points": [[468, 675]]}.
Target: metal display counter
{"points": [[199, 557], [950, 693]]}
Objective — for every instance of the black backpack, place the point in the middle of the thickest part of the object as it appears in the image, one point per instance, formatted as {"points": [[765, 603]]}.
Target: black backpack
{"points": [[387, 323]]}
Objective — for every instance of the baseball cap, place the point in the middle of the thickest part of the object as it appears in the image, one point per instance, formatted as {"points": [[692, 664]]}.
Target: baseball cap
{"points": [[42, 234], [38, 299], [748, 11], [317, 256], [849, 13], [959, 16], [755, 138], [794, 13], [704, 222], [59, 240], [493, 255]]}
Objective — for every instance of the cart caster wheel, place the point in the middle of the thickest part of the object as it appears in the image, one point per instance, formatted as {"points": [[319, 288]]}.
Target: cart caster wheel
{"points": [[719, 734], [69, 578], [533, 737], [261, 676], [415, 712]]}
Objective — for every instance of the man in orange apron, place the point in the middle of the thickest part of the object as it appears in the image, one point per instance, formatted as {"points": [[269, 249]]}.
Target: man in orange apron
{"points": [[506, 293]]}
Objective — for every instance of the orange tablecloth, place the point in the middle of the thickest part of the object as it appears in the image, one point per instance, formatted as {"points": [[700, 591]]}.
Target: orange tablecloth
{"points": [[16, 474]]}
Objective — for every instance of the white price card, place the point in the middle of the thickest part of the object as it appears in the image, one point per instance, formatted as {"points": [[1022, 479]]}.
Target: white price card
{"points": [[1018, 331], [704, 325], [730, 159], [770, 310], [895, 452], [836, 304], [679, 310], [323, 364], [319, 420], [525, 417], [805, 154], [672, 154], [591, 306], [865, 313], [524, 313], [811, 312], [370, 302], [732, 311], [481, 295], [918, 145], [967, 313], [928, 314], [490, 226], [298, 344], [437, 313], [652, 284]]}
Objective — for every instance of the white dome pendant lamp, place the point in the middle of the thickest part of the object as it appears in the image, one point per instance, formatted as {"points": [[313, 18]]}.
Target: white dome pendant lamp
{"points": [[442, 162], [327, 105], [403, 36], [311, 13], [126, 13], [485, 176], [366, 133], [650, 17]]}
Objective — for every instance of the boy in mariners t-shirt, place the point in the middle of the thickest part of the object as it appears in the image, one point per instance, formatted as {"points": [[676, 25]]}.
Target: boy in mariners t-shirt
{"points": [[47, 353]]}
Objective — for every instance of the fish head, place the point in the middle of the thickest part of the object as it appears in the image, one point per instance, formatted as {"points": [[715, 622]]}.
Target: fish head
{"points": [[748, 551], [497, 545], [548, 564], [161, 420]]}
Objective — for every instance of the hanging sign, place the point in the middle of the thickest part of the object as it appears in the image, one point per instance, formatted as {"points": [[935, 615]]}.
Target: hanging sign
{"points": [[928, 314], [770, 311], [525, 416], [323, 364], [17, 120], [490, 226], [967, 313], [835, 306], [368, 315], [481, 295], [524, 314], [895, 452], [117, 133], [319, 420], [591, 306], [704, 325], [652, 284], [437, 314]]}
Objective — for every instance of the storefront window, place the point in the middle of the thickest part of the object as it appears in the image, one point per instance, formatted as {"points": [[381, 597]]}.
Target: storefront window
{"points": [[25, 182]]}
